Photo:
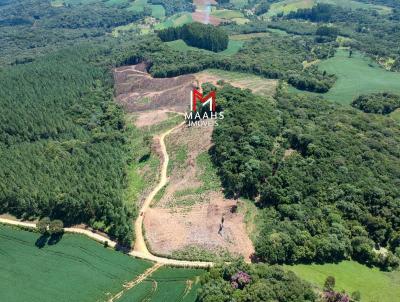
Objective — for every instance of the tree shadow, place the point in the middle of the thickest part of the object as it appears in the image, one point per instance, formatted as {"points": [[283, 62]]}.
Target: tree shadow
{"points": [[41, 241], [55, 238], [144, 158]]}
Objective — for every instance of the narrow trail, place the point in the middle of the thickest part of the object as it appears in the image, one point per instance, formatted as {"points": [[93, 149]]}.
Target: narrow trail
{"points": [[140, 244], [136, 281], [140, 249]]}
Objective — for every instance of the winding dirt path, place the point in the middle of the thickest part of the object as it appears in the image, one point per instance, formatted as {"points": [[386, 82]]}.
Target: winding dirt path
{"points": [[140, 244], [140, 249]]}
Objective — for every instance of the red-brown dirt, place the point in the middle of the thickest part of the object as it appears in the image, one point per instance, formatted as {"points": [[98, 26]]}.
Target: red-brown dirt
{"points": [[136, 90]]}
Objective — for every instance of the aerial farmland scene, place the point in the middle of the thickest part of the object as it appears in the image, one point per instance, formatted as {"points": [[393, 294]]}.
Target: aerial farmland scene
{"points": [[200, 151]]}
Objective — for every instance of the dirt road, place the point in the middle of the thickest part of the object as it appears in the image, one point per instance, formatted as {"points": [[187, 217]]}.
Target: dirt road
{"points": [[140, 244]]}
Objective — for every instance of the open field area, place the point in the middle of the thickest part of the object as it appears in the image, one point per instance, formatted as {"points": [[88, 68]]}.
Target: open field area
{"points": [[373, 284], [357, 75], [75, 269], [288, 6], [175, 20], [233, 47], [256, 84], [166, 284]]}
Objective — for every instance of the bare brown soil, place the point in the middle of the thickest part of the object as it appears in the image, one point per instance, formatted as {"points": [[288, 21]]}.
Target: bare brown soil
{"points": [[177, 222], [137, 90], [201, 16], [149, 118]]}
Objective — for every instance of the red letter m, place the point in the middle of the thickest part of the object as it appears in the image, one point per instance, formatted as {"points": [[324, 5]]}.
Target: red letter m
{"points": [[208, 99]]}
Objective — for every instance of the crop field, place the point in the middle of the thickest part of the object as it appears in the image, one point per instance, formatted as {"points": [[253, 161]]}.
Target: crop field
{"points": [[166, 284], [74, 269], [357, 75], [373, 284]]}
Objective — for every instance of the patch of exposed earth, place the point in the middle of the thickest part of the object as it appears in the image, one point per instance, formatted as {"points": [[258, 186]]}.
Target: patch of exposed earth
{"points": [[137, 91], [188, 214]]}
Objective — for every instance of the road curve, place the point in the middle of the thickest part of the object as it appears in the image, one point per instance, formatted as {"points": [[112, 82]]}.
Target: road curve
{"points": [[140, 249]]}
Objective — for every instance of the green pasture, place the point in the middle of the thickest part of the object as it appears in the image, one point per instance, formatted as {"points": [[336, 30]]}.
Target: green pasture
{"points": [[233, 47], [137, 5], [373, 284], [74, 269], [396, 115], [166, 284], [227, 14], [288, 6], [357, 75], [157, 11], [175, 20]]}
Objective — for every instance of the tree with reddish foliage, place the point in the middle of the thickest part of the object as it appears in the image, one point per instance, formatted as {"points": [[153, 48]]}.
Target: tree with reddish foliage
{"points": [[332, 296], [240, 280]]}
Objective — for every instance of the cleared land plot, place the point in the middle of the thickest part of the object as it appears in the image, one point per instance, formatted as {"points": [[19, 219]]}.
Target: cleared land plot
{"points": [[374, 285], [357, 75], [136, 90], [256, 84], [194, 205], [166, 284], [157, 11], [75, 269]]}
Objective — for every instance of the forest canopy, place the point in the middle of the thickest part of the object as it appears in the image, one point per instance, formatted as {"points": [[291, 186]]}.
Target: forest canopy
{"points": [[198, 35], [326, 177]]}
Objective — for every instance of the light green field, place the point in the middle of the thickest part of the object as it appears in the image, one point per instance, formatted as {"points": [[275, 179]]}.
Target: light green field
{"points": [[239, 3], [137, 5], [166, 284], [395, 115], [157, 11], [357, 75], [233, 47], [227, 14], [288, 6], [373, 284], [75, 269], [175, 20], [258, 85]]}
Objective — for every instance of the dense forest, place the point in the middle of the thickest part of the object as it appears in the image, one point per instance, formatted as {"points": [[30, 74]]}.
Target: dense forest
{"points": [[381, 103], [32, 27], [241, 282], [198, 35], [326, 176], [63, 143]]}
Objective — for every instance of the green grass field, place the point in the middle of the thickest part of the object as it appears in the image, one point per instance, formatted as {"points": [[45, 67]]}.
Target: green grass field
{"points": [[233, 47], [137, 5], [175, 20], [157, 11], [374, 285], [396, 115], [166, 284], [75, 269], [288, 6], [357, 75]]}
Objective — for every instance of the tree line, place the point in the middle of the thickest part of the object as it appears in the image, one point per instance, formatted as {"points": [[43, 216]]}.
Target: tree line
{"points": [[199, 35]]}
